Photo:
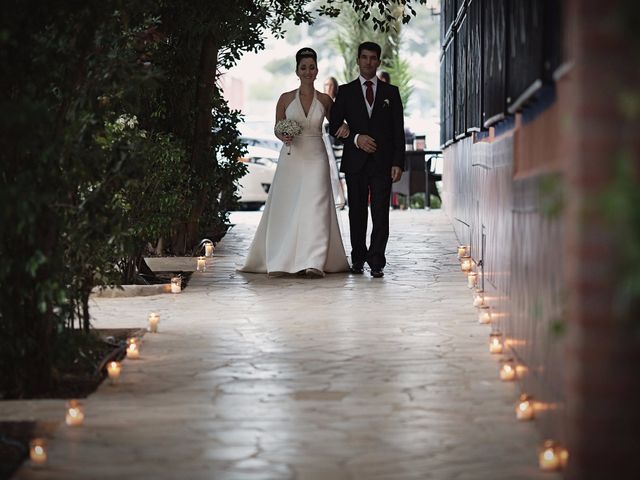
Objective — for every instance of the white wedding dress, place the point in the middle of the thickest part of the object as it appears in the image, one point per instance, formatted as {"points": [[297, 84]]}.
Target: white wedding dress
{"points": [[299, 231]]}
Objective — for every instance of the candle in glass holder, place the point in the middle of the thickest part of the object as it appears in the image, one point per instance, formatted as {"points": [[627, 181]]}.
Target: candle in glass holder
{"points": [[176, 284], [495, 342], [75, 413], [508, 371], [478, 299], [549, 456], [472, 279], [154, 319], [466, 264], [208, 249], [524, 408], [484, 315], [114, 369], [462, 251], [201, 264], [38, 451], [133, 350]]}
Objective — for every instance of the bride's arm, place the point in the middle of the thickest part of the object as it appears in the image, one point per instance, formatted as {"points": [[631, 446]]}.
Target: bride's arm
{"points": [[343, 131], [280, 115]]}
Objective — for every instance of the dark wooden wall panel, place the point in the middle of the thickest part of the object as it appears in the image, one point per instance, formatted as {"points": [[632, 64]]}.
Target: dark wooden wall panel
{"points": [[474, 66], [460, 98], [553, 45], [525, 47], [495, 61], [449, 85]]}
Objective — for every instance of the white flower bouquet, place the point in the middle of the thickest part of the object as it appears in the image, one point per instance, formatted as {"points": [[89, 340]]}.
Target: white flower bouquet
{"points": [[289, 128]]}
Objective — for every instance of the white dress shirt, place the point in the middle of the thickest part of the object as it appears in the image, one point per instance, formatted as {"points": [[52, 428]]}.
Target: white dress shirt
{"points": [[374, 81]]}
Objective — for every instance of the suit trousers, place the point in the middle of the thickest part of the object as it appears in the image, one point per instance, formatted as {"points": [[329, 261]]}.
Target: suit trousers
{"points": [[362, 186]]}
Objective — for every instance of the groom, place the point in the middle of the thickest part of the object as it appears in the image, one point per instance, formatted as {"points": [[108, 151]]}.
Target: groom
{"points": [[373, 155]]}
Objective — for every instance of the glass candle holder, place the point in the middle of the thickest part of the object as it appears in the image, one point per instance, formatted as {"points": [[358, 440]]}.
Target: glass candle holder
{"points": [[133, 350], [484, 315], [208, 249], [201, 264], [466, 264], [508, 371], [38, 451], [552, 456], [154, 319], [176, 284], [478, 299], [495, 342], [463, 251], [525, 408], [113, 370], [75, 413], [472, 279]]}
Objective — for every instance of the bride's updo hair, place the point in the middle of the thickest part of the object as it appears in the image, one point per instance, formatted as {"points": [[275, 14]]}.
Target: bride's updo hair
{"points": [[305, 53]]}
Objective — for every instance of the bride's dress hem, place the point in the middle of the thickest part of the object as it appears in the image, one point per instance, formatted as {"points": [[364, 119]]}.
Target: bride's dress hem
{"points": [[305, 270]]}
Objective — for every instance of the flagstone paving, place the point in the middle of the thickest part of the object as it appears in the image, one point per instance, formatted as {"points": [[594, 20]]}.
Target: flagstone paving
{"points": [[344, 377]]}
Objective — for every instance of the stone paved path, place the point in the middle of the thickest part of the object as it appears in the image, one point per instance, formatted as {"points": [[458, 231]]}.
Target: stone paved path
{"points": [[344, 377]]}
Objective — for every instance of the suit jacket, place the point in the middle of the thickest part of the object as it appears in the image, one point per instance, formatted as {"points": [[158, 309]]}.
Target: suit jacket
{"points": [[386, 127]]}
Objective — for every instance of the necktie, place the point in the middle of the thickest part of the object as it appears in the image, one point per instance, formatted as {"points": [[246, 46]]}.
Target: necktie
{"points": [[369, 94]]}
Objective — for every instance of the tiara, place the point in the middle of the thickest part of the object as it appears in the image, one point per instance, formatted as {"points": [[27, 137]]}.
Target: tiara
{"points": [[307, 51]]}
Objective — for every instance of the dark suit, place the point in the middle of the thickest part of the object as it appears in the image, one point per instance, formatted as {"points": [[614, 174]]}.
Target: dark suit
{"points": [[369, 173]]}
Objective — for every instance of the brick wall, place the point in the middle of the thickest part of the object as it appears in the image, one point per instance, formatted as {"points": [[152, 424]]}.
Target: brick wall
{"points": [[603, 355]]}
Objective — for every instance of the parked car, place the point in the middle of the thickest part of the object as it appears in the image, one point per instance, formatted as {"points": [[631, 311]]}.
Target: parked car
{"points": [[255, 185], [254, 139]]}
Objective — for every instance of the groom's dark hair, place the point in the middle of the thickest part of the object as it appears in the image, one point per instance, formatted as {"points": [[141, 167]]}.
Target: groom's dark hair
{"points": [[371, 46]]}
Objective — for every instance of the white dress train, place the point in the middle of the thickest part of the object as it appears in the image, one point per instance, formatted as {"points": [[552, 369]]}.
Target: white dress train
{"points": [[299, 228]]}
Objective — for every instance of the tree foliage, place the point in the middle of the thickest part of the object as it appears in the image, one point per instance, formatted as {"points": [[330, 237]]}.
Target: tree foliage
{"points": [[353, 28], [114, 136]]}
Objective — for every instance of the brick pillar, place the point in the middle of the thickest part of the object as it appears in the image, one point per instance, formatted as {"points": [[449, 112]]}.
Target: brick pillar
{"points": [[603, 353]]}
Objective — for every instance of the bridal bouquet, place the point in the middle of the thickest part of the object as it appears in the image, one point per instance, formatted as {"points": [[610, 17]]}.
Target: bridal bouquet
{"points": [[288, 127]]}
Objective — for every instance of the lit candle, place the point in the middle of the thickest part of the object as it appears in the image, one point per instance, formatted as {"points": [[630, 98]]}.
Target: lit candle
{"points": [[113, 369], [38, 451], [133, 349], [462, 251], [495, 342], [484, 315], [154, 319], [176, 284], [466, 265], [507, 371], [208, 249], [472, 279], [202, 264], [75, 415], [524, 408], [478, 299], [549, 458]]}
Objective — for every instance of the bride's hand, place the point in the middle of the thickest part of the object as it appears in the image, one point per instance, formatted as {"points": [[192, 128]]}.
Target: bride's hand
{"points": [[343, 131], [287, 139]]}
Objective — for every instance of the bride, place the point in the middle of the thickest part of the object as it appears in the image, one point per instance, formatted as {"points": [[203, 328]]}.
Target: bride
{"points": [[298, 231]]}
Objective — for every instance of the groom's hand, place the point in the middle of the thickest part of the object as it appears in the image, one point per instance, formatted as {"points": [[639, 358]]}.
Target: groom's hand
{"points": [[366, 143], [396, 174]]}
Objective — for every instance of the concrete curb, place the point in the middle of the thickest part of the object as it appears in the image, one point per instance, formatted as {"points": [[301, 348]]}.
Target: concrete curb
{"points": [[130, 291]]}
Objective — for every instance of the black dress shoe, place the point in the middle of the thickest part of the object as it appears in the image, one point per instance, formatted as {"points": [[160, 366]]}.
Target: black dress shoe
{"points": [[357, 269], [377, 273]]}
